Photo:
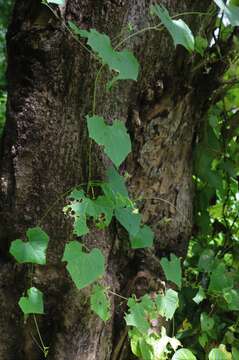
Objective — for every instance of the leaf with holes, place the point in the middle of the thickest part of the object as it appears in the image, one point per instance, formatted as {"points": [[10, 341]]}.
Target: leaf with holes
{"points": [[81, 208], [99, 302], [178, 29], [77, 209], [84, 268], [114, 138], [33, 302], [33, 251], [123, 62], [172, 269]]}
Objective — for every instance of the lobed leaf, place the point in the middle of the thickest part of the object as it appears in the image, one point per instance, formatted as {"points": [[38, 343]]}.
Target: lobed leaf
{"points": [[123, 62]]}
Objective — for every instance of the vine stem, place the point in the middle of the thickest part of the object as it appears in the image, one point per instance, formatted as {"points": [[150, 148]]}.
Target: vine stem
{"points": [[44, 348], [118, 295], [66, 27]]}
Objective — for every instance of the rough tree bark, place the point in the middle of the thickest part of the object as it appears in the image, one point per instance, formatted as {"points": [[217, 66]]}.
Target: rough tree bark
{"points": [[45, 149]]}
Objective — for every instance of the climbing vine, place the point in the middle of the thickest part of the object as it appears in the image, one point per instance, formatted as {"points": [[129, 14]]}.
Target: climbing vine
{"points": [[86, 267]]}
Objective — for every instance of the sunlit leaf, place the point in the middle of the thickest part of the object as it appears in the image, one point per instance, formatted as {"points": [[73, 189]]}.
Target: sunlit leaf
{"points": [[33, 302], [178, 29]]}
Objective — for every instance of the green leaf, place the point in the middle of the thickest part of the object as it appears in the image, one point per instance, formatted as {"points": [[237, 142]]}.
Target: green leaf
{"points": [[217, 354], [129, 220], [33, 251], [167, 304], [220, 279], [144, 238], [101, 210], [146, 349], [137, 316], [116, 182], [201, 45], [183, 354], [235, 354], [124, 62], [203, 340], [172, 269], [178, 29], [231, 12], [232, 298], [78, 210], [33, 302], [114, 138], [206, 260], [207, 322], [99, 302], [81, 208], [200, 296], [84, 268]]}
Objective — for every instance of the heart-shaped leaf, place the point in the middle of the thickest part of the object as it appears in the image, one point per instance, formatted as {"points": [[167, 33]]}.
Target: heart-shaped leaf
{"points": [[33, 251], [114, 138], [144, 238], [84, 268], [33, 302], [172, 269]]}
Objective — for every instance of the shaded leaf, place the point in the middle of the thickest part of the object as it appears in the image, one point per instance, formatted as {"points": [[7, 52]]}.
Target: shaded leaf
{"points": [[144, 238], [172, 269], [114, 138], [100, 303], [84, 268], [33, 250], [129, 220], [124, 62]]}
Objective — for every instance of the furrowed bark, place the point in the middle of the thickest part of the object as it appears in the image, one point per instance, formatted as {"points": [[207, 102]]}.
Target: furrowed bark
{"points": [[45, 152]]}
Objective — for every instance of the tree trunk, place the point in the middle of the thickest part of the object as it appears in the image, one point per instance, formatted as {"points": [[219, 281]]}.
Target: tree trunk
{"points": [[45, 151]]}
